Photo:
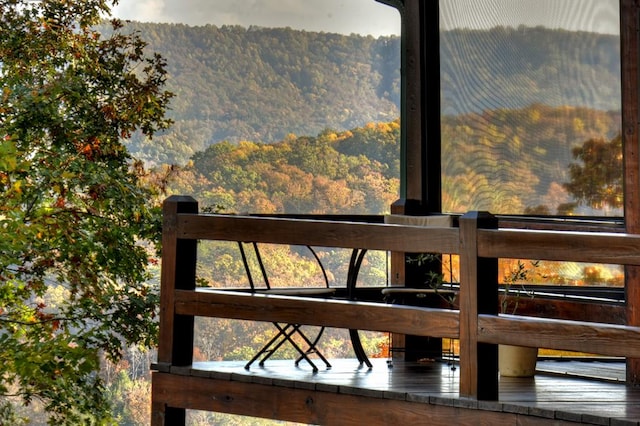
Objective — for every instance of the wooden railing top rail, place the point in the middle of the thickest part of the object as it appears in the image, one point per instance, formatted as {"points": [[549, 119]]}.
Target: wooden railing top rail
{"points": [[318, 233], [612, 248], [593, 247]]}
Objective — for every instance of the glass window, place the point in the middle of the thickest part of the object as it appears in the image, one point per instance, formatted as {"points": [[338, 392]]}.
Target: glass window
{"points": [[531, 107]]}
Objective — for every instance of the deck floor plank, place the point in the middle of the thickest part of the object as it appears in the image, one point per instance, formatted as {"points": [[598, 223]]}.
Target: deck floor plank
{"points": [[556, 392]]}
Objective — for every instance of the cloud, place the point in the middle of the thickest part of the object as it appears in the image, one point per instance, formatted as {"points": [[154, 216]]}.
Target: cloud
{"points": [[372, 17], [141, 10], [341, 16]]}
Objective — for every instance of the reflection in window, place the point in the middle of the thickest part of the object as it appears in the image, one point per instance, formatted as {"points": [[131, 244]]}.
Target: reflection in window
{"points": [[531, 107]]}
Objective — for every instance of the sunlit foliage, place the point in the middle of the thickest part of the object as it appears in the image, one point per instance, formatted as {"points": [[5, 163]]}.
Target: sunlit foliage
{"points": [[73, 212]]}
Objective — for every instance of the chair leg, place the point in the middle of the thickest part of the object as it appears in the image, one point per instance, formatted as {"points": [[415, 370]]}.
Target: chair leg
{"points": [[283, 335], [312, 347], [270, 347], [286, 337], [358, 349]]}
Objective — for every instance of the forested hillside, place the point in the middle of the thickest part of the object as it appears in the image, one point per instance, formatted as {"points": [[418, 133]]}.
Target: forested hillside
{"points": [[262, 84], [508, 161], [259, 84], [328, 173], [322, 174], [515, 67]]}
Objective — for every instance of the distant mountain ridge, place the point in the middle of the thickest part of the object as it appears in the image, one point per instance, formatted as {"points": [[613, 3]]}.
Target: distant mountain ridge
{"points": [[511, 68], [262, 84]]}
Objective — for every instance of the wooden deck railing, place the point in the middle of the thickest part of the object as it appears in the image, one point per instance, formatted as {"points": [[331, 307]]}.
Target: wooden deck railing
{"points": [[477, 323]]}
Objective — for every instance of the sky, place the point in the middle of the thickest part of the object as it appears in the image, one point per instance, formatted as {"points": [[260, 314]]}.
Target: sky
{"points": [[601, 16], [371, 17], [337, 16]]}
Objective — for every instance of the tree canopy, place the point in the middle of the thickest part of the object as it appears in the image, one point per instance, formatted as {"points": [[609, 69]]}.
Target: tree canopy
{"points": [[598, 181], [74, 211]]}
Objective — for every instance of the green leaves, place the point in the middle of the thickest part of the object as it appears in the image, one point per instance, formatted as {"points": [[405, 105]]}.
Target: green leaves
{"points": [[78, 222], [8, 156]]}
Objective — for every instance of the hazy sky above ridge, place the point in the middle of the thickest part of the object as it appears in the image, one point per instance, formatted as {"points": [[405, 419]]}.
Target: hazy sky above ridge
{"points": [[371, 17], [337, 16]]}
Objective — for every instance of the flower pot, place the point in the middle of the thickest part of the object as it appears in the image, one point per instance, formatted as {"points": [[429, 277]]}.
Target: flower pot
{"points": [[517, 361]]}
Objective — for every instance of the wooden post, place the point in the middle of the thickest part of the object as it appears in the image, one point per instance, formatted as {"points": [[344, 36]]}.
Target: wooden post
{"points": [[403, 274], [420, 179], [175, 345], [397, 279], [629, 57], [421, 129], [478, 295]]}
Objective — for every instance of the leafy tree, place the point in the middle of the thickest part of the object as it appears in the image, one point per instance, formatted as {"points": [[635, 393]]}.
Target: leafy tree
{"points": [[598, 181], [73, 209]]}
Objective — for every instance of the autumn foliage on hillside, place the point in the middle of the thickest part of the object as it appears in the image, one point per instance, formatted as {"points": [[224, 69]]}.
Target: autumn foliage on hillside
{"points": [[521, 161], [351, 172]]}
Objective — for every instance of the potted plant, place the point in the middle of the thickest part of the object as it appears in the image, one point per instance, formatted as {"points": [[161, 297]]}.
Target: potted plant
{"points": [[516, 361], [513, 361]]}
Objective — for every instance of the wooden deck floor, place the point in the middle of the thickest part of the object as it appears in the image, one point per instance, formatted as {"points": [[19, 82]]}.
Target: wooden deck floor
{"points": [[555, 394]]}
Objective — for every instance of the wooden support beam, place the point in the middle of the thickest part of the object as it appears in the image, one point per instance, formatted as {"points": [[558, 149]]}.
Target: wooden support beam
{"points": [[413, 92], [311, 406], [630, 55], [175, 345], [478, 295]]}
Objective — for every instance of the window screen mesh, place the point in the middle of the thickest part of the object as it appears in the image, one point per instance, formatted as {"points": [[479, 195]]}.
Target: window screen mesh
{"points": [[530, 97]]}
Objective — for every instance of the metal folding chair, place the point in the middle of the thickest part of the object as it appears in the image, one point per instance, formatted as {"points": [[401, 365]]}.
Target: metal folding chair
{"points": [[286, 332]]}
